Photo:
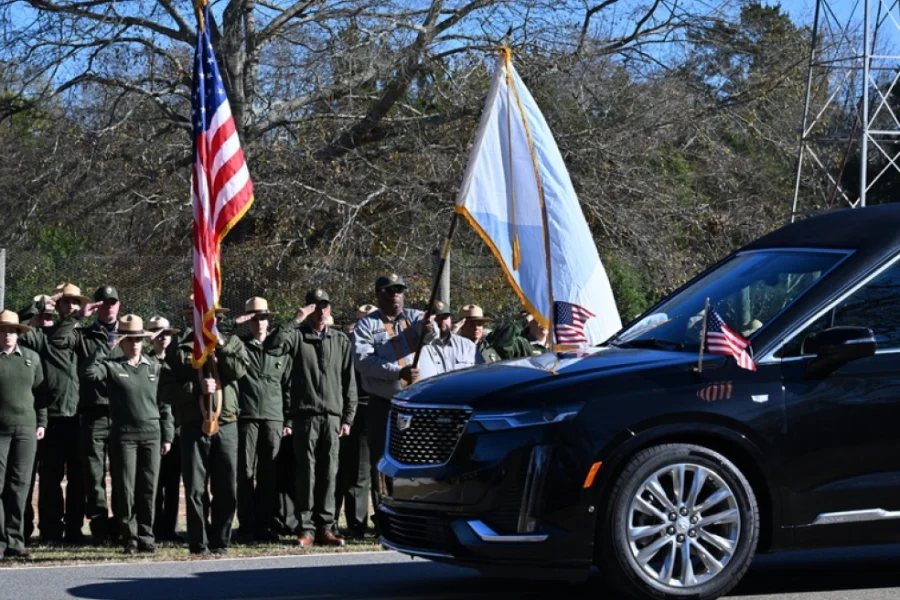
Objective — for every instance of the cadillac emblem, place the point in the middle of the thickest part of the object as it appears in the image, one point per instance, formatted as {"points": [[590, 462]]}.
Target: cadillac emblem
{"points": [[403, 422]]}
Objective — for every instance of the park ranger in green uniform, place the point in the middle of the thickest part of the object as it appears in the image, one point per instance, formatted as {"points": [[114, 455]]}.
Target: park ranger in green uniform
{"points": [[93, 407], [22, 424], [141, 430], [263, 402], [323, 405], [471, 326], [59, 457], [213, 457]]}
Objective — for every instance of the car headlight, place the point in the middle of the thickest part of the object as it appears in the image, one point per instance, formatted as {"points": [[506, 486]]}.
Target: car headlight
{"points": [[513, 419]]}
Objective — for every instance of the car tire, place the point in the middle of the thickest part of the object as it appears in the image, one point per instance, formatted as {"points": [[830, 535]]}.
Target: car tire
{"points": [[702, 553]]}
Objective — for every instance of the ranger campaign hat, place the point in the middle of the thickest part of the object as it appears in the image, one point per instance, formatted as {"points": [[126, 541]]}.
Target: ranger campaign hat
{"points": [[190, 311], [161, 323], [364, 310], [442, 308], [10, 319], [258, 307], [386, 281], [132, 326], [72, 292], [106, 292], [317, 295], [474, 314]]}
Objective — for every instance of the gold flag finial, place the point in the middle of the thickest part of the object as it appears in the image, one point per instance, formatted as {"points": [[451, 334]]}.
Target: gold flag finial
{"points": [[199, 5]]}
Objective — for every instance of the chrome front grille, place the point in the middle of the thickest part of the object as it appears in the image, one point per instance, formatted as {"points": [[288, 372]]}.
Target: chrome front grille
{"points": [[425, 434]]}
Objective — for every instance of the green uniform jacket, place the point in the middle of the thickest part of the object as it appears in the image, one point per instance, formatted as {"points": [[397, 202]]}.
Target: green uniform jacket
{"points": [[56, 347], [89, 341], [180, 376], [509, 341], [323, 381], [266, 389], [21, 380], [135, 413]]}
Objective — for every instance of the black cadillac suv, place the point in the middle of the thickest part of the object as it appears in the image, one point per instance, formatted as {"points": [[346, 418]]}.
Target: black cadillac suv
{"points": [[664, 473]]}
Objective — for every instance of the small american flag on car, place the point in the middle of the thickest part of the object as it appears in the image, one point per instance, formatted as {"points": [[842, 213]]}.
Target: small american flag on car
{"points": [[720, 339], [569, 320], [713, 392]]}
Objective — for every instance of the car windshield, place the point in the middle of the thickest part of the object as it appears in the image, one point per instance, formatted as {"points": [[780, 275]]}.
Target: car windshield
{"points": [[747, 291]]}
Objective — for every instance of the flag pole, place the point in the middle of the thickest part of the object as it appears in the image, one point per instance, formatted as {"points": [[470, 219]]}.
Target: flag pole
{"points": [[445, 254], [703, 337]]}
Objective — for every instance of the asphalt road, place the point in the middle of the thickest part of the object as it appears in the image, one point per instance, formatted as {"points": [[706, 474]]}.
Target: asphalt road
{"points": [[857, 574]]}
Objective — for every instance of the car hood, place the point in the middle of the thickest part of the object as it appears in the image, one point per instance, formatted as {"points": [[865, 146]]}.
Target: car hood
{"points": [[484, 384]]}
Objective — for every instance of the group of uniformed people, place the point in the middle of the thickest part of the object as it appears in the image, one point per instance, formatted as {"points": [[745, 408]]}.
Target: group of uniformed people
{"points": [[299, 432]]}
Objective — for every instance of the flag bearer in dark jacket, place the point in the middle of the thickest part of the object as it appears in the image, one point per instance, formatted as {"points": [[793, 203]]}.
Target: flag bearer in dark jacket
{"points": [[263, 402], [22, 423], [323, 405], [93, 406], [59, 457], [141, 430], [168, 489], [207, 457]]}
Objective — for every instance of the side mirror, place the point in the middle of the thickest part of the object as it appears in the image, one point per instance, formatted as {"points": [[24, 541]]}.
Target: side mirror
{"points": [[838, 346]]}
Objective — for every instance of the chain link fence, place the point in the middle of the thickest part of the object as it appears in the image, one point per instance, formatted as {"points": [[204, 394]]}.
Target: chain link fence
{"points": [[161, 285]]}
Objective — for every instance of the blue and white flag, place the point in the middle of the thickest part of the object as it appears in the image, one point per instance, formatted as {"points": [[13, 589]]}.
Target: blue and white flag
{"points": [[517, 194]]}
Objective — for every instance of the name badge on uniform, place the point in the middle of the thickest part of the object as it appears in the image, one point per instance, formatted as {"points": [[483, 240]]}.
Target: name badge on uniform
{"points": [[28, 362], [125, 375], [152, 377], [278, 365]]}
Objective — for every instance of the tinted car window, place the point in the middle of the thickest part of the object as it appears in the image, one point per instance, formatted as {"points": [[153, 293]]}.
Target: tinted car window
{"points": [[875, 305], [747, 291]]}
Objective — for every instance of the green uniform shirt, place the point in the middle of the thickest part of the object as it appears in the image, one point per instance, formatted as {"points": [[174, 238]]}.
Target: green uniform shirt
{"points": [[89, 341], [322, 376], [135, 413], [56, 347], [21, 378], [179, 380], [509, 341], [265, 390]]}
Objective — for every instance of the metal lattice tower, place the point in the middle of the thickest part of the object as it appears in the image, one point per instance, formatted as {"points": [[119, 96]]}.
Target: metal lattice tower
{"points": [[850, 130]]}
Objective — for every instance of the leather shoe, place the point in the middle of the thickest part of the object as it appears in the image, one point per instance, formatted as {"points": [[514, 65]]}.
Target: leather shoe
{"points": [[304, 541], [328, 538]]}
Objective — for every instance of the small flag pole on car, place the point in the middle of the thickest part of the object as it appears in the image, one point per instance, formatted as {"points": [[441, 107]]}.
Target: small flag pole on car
{"points": [[702, 337]]}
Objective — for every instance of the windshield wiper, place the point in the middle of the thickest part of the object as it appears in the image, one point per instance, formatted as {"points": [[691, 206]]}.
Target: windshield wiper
{"points": [[653, 343]]}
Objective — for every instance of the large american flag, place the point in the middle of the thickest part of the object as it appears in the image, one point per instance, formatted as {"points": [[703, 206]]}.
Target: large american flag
{"points": [[720, 339], [221, 190], [569, 320]]}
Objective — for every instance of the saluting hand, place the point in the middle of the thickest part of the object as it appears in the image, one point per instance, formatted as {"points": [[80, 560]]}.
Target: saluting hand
{"points": [[304, 312], [243, 319], [164, 449], [89, 309], [458, 325]]}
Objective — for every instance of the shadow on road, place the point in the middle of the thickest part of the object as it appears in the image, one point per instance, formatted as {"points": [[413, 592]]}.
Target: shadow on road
{"points": [[853, 569]]}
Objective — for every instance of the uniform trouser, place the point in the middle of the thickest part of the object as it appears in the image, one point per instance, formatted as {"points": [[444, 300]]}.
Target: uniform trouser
{"points": [[134, 465], [317, 445], [94, 452], [377, 414], [214, 457], [57, 462], [286, 483], [18, 447], [258, 445], [168, 493], [354, 475]]}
